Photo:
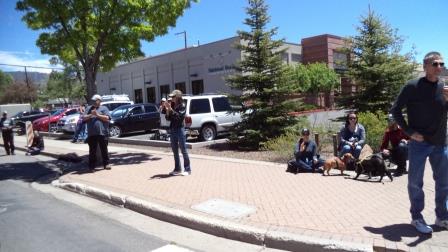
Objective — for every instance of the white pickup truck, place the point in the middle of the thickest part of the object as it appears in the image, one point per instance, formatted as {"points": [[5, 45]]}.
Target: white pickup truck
{"points": [[207, 116]]}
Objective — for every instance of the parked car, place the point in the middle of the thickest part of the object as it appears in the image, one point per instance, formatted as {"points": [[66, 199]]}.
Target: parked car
{"points": [[67, 124], [114, 101], [134, 117], [207, 116], [19, 119], [49, 123]]}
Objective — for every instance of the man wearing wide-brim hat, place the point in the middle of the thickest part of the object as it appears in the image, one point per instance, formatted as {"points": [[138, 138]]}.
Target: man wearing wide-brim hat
{"points": [[175, 114]]}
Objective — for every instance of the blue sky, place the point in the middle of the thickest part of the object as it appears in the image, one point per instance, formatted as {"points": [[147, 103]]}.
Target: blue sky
{"points": [[422, 23]]}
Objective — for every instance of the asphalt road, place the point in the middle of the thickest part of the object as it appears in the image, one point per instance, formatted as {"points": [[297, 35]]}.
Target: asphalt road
{"points": [[34, 221]]}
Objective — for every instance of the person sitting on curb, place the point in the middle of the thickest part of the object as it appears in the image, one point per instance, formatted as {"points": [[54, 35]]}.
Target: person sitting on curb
{"points": [[352, 136], [399, 142], [305, 153], [37, 146]]}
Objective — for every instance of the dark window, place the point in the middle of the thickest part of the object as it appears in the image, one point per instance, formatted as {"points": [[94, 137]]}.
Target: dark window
{"points": [[138, 95], [199, 106], [221, 104], [136, 111], [181, 86], [71, 112], [150, 108], [119, 112], [164, 91], [151, 94], [197, 87], [296, 57]]}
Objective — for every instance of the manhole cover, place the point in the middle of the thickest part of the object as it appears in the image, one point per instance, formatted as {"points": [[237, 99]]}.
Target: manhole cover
{"points": [[224, 208]]}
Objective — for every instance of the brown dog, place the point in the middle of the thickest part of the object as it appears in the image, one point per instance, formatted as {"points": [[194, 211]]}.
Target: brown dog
{"points": [[337, 163]]}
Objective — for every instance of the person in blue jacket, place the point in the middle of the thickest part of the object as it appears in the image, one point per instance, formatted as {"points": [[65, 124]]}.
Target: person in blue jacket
{"points": [[306, 158], [352, 136]]}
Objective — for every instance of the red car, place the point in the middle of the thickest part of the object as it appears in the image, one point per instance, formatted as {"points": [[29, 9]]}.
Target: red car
{"points": [[50, 123]]}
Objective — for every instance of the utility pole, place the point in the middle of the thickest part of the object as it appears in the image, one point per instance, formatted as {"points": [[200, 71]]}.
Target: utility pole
{"points": [[185, 37]]}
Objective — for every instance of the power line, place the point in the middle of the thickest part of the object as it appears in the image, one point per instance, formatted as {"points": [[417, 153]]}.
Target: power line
{"points": [[57, 68]]}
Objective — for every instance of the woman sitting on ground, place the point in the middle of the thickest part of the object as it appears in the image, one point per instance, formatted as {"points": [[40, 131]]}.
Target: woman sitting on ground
{"points": [[399, 142], [37, 146], [305, 153], [352, 136]]}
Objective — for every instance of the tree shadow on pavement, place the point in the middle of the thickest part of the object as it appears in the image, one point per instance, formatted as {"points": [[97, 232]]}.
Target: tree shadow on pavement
{"points": [[397, 232], [40, 172], [130, 158]]}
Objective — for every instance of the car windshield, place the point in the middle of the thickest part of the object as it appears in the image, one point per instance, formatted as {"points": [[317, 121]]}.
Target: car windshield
{"points": [[57, 112], [119, 112]]}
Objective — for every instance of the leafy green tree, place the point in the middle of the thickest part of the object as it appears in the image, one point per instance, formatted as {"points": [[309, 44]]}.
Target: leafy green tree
{"points": [[97, 34], [311, 78], [64, 85], [5, 81], [376, 65], [260, 81]]}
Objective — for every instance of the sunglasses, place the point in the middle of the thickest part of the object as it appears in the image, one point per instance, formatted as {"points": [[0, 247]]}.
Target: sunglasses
{"points": [[352, 118], [436, 64]]}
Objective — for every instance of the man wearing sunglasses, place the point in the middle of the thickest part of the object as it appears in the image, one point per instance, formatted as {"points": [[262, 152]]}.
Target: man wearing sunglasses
{"points": [[426, 102]]}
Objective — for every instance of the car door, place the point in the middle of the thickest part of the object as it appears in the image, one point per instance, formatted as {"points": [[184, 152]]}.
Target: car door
{"points": [[135, 118], [222, 112], [151, 117]]}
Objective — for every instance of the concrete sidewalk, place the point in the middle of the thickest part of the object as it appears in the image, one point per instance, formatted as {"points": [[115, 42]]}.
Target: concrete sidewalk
{"points": [[303, 212]]}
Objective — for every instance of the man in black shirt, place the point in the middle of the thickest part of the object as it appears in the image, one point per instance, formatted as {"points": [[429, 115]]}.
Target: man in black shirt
{"points": [[425, 100], [7, 135]]}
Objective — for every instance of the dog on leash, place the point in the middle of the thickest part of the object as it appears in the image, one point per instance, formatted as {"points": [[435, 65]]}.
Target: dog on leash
{"points": [[338, 163], [373, 165]]}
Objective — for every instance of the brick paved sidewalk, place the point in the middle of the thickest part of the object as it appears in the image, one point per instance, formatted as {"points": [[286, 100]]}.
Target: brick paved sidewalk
{"points": [[335, 207]]}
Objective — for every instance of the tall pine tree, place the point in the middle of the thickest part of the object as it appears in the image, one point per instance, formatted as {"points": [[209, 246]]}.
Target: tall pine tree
{"points": [[376, 65], [261, 72]]}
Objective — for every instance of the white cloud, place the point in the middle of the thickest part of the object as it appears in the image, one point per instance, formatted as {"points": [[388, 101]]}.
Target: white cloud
{"points": [[26, 58]]}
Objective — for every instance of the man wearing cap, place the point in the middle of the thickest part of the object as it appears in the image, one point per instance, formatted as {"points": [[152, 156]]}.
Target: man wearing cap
{"points": [[97, 118], [425, 100], [399, 143], [175, 113], [305, 155], [7, 135]]}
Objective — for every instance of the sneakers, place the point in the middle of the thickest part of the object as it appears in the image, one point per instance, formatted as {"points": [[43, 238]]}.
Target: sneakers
{"points": [[107, 167], [175, 173], [442, 223], [185, 173], [421, 226]]}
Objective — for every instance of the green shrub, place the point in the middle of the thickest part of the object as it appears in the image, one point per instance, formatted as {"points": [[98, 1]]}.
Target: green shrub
{"points": [[375, 125]]}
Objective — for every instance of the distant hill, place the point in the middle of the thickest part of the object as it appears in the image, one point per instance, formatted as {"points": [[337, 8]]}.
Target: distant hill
{"points": [[36, 77]]}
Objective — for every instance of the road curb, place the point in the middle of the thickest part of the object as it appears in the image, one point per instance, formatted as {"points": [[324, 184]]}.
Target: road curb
{"points": [[221, 228]]}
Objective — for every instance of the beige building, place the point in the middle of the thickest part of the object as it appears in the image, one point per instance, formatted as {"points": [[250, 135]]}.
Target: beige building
{"points": [[195, 70]]}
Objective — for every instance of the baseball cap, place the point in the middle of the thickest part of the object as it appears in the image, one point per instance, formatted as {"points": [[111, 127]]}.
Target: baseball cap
{"points": [[97, 97], [175, 93], [163, 99]]}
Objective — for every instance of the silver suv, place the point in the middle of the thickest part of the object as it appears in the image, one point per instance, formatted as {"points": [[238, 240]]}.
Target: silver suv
{"points": [[207, 115]]}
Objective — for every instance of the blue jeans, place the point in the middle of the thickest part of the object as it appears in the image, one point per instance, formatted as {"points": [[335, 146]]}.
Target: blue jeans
{"points": [[438, 158], [348, 149], [178, 139], [80, 131], [306, 165]]}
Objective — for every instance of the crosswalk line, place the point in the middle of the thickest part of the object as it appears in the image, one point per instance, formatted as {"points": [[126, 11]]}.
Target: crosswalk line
{"points": [[171, 248]]}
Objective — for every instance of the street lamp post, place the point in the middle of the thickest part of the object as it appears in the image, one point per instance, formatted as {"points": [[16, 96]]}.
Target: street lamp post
{"points": [[185, 37]]}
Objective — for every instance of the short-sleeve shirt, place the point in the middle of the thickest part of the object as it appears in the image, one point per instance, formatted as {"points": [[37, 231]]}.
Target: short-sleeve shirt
{"points": [[96, 127]]}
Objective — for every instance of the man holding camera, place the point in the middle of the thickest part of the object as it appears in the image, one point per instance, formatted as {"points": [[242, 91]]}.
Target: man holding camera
{"points": [[175, 113], [97, 118]]}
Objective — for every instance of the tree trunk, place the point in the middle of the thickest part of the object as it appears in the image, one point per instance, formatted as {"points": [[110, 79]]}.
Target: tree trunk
{"points": [[90, 83]]}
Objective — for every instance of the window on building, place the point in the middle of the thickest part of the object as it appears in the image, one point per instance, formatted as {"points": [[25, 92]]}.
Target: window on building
{"points": [[197, 87], [199, 106], [164, 91], [221, 104], [339, 60], [296, 58], [181, 86], [151, 94], [138, 94], [285, 57]]}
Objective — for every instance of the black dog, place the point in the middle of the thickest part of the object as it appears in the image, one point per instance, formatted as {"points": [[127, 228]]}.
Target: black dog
{"points": [[374, 165]]}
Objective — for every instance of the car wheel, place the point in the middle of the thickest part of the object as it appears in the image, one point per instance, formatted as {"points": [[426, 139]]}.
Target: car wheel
{"points": [[208, 132], [52, 128], [115, 131]]}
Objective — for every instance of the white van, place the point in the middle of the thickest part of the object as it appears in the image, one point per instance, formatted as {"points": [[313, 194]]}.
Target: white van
{"points": [[114, 101]]}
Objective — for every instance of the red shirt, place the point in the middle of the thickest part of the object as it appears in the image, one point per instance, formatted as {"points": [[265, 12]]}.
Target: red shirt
{"points": [[394, 136]]}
